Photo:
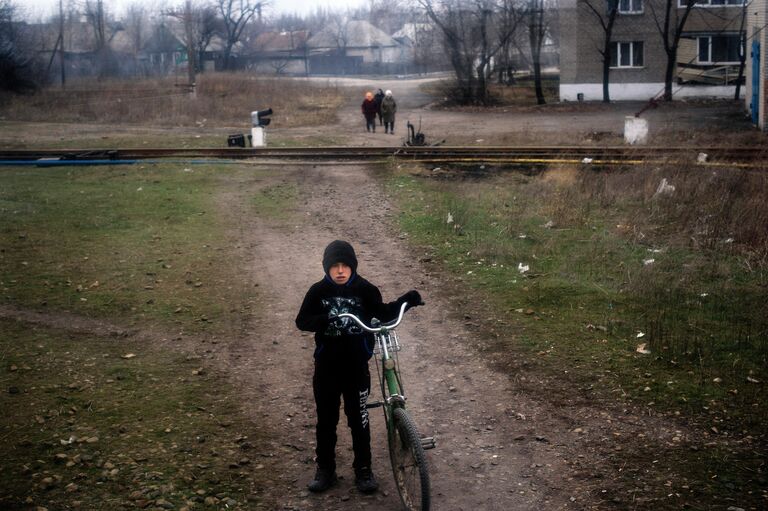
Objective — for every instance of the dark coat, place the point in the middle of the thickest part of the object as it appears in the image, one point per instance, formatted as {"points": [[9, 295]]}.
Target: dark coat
{"points": [[378, 98], [343, 341], [388, 109], [370, 109]]}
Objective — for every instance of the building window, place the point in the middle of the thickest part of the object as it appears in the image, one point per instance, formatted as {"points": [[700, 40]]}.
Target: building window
{"points": [[711, 3], [630, 6], [627, 54], [719, 49]]}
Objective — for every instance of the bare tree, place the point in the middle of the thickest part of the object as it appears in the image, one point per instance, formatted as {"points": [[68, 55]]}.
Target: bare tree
{"points": [[473, 33], [338, 26], [670, 24], [236, 14], [204, 28], [15, 67], [188, 17], [103, 31], [388, 15], [199, 23], [509, 18], [605, 11], [135, 22], [94, 14], [279, 65]]}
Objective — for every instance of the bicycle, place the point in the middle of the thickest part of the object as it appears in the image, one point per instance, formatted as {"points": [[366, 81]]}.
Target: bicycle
{"points": [[406, 447]]}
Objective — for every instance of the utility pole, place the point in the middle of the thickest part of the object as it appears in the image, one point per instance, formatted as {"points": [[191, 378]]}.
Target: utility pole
{"points": [[61, 42], [191, 50]]}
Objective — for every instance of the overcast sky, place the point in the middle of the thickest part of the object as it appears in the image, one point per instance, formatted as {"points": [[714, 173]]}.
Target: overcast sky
{"points": [[37, 9]]}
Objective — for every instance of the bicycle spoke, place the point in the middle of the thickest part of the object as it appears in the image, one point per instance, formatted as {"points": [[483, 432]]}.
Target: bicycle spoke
{"points": [[408, 462]]}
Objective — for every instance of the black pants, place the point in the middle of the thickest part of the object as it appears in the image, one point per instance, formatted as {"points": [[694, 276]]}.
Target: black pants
{"points": [[370, 123], [330, 383]]}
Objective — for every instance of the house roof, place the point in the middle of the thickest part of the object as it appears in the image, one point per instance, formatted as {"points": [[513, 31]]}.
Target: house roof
{"points": [[280, 41], [411, 31], [353, 34], [122, 42], [163, 40]]}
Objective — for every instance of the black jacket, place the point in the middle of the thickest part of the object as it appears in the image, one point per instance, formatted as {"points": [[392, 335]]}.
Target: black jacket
{"points": [[343, 341]]}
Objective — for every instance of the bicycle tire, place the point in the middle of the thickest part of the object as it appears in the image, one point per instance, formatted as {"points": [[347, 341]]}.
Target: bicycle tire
{"points": [[409, 463]]}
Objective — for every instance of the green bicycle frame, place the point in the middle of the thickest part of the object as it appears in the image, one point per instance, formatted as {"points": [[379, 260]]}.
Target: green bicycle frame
{"points": [[391, 384]]}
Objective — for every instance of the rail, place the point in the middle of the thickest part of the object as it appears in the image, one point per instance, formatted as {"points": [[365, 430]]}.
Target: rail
{"points": [[607, 155]]}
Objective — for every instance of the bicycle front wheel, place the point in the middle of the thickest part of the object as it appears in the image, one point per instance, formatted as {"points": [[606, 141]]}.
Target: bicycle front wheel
{"points": [[408, 462]]}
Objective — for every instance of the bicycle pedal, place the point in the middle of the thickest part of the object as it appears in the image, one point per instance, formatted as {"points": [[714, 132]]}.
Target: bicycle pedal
{"points": [[375, 404], [428, 443]]}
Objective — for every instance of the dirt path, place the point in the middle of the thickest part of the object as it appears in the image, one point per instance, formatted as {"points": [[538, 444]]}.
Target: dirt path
{"points": [[500, 445], [558, 124], [497, 448]]}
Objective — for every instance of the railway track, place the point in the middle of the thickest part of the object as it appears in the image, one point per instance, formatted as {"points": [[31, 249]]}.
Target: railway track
{"points": [[610, 155]]}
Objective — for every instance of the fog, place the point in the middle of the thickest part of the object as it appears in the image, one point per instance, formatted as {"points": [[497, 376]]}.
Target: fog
{"points": [[41, 9]]}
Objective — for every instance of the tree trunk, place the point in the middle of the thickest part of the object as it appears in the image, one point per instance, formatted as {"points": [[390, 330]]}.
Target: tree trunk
{"points": [[669, 74], [482, 85], [742, 53], [535, 36], [537, 81], [607, 71]]}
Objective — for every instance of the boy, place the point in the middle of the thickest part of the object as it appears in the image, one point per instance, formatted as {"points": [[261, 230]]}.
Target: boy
{"points": [[342, 351]]}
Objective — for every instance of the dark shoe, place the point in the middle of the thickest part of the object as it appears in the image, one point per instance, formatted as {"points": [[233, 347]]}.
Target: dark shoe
{"points": [[365, 481], [323, 480]]}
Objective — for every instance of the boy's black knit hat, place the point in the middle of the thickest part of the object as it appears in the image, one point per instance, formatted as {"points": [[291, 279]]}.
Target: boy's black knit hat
{"points": [[339, 251]]}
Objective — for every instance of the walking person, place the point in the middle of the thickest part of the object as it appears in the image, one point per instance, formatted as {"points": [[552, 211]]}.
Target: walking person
{"points": [[388, 110], [370, 110], [378, 98], [342, 351]]}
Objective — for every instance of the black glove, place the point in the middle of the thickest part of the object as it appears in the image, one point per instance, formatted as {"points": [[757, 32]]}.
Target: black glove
{"points": [[412, 298], [336, 322]]}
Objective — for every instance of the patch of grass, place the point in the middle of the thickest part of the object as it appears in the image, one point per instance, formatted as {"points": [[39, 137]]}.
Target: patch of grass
{"points": [[277, 202], [88, 425], [604, 286], [144, 242]]}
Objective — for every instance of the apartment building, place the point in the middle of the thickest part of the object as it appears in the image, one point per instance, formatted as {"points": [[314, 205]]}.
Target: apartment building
{"points": [[708, 57]]}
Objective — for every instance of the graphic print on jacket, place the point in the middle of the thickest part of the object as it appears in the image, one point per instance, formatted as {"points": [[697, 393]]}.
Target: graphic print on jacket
{"points": [[342, 326]]}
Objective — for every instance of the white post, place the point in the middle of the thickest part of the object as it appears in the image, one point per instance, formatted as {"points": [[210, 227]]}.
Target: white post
{"points": [[258, 136], [635, 130]]}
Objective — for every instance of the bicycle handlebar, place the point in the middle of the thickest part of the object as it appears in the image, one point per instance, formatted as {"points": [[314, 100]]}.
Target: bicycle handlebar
{"points": [[384, 327]]}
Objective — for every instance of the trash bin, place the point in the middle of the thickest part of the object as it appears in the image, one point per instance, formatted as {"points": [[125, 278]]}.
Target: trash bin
{"points": [[237, 140]]}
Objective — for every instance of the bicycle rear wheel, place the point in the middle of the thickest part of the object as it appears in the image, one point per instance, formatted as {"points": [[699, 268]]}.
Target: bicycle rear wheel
{"points": [[408, 462]]}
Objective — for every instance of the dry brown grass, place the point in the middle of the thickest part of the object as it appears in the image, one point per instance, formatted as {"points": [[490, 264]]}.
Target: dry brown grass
{"points": [[710, 208], [225, 99]]}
